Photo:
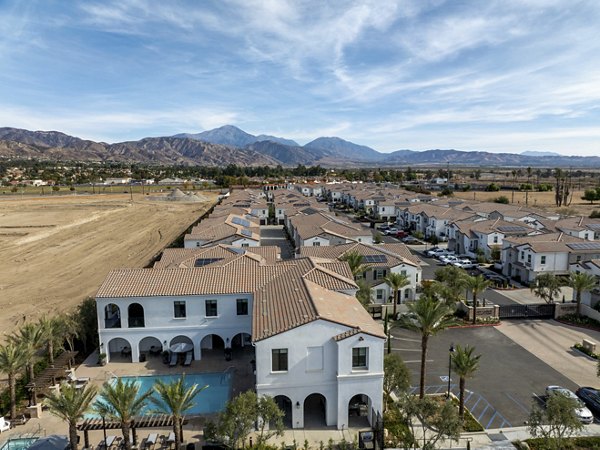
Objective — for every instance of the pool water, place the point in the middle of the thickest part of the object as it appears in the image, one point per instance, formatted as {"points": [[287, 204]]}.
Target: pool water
{"points": [[18, 444], [210, 400]]}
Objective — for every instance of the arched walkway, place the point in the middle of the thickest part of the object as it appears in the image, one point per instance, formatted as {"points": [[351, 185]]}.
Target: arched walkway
{"points": [[150, 346], [240, 340], [212, 342], [285, 404], [135, 311], [112, 316], [359, 411], [315, 411], [119, 349]]}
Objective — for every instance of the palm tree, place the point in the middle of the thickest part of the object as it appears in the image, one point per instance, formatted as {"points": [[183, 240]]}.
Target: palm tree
{"points": [[464, 364], [396, 281], [476, 285], [453, 280], [355, 261], [581, 282], [31, 336], [122, 401], [12, 359], [546, 286], [70, 405], [52, 330], [364, 293], [175, 399], [428, 317]]}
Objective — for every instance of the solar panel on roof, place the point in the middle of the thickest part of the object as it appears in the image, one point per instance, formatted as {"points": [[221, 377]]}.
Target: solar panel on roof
{"points": [[593, 226], [374, 258], [240, 221], [205, 261], [511, 229], [246, 233], [585, 246]]}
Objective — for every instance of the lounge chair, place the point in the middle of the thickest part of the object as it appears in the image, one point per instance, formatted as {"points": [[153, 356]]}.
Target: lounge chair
{"points": [[188, 359], [78, 381], [151, 440], [171, 439], [4, 424], [173, 360], [21, 419]]}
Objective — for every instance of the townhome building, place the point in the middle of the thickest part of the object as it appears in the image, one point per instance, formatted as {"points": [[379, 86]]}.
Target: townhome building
{"points": [[322, 229], [581, 227], [379, 260], [234, 230], [316, 350]]}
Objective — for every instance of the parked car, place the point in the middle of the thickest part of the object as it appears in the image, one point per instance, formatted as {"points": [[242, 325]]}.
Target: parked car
{"points": [[591, 398], [445, 253], [401, 234], [446, 260], [411, 240], [390, 231], [582, 412], [385, 226], [433, 252], [464, 264]]}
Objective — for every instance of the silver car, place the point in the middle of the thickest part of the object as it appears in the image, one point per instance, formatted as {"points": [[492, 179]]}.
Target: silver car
{"points": [[584, 414]]}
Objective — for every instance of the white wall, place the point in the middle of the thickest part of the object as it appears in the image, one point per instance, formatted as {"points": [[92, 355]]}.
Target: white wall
{"points": [[302, 380], [161, 323]]}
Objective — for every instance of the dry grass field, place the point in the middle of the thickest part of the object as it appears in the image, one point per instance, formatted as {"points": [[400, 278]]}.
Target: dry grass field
{"points": [[57, 250], [543, 200]]}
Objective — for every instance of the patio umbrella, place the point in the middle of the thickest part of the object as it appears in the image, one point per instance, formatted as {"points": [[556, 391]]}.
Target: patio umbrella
{"points": [[181, 347], [52, 442]]}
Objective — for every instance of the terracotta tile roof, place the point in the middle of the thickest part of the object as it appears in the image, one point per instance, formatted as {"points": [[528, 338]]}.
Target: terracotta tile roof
{"points": [[394, 254], [186, 257]]}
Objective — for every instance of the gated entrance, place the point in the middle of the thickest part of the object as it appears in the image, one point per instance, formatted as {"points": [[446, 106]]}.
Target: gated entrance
{"points": [[537, 311]]}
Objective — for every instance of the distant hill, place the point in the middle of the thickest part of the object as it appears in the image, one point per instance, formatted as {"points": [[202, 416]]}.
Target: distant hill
{"points": [[230, 135], [346, 149], [536, 153], [235, 146]]}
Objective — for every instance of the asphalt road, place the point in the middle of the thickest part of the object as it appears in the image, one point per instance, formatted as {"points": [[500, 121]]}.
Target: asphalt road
{"points": [[508, 381]]}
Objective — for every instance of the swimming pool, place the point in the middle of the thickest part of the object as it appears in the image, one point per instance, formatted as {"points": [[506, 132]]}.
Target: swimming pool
{"points": [[210, 400], [18, 443]]}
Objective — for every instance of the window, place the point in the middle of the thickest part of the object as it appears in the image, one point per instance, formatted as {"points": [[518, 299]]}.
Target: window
{"points": [[380, 273], [359, 357], [406, 293], [495, 239], [242, 306], [529, 259], [245, 244], [279, 359], [522, 255], [211, 308], [316, 244], [403, 272], [543, 260], [197, 244], [379, 294], [416, 278], [179, 309]]}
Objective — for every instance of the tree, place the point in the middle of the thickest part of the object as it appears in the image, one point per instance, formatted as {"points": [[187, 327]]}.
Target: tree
{"points": [[556, 422], [476, 285], [464, 364], [364, 293], [235, 423], [396, 377], [70, 404], [355, 261], [268, 413], [396, 281], [590, 195], [546, 286], [52, 329], [428, 317], [581, 282], [436, 419], [175, 399], [31, 337], [453, 280], [122, 401], [13, 358]]}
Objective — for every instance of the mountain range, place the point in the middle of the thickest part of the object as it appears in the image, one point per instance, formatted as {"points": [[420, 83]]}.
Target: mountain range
{"points": [[231, 145]]}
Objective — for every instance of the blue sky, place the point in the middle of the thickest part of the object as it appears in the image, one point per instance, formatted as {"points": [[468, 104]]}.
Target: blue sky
{"points": [[508, 75]]}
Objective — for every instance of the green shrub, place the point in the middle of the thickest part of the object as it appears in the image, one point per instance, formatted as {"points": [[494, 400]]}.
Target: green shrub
{"points": [[585, 321], [492, 187], [503, 199], [582, 349]]}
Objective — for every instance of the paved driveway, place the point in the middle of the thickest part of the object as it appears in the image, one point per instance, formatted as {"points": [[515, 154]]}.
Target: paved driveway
{"points": [[509, 379], [275, 235]]}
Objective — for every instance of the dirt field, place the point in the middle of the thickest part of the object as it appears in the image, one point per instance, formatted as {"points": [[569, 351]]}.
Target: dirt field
{"points": [[57, 250], [543, 200]]}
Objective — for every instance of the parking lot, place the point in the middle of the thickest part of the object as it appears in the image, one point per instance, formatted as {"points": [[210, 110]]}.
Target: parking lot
{"points": [[508, 381]]}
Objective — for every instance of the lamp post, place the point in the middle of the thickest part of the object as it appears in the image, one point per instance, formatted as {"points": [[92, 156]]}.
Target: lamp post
{"points": [[450, 351]]}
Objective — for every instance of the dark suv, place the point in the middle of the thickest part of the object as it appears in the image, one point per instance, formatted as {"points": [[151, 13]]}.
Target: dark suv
{"points": [[591, 397]]}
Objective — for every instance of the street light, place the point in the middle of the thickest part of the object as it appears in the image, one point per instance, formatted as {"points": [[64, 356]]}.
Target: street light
{"points": [[450, 351]]}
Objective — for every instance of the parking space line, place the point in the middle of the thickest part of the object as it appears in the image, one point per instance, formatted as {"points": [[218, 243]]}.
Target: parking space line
{"points": [[483, 412], [519, 404], [491, 420]]}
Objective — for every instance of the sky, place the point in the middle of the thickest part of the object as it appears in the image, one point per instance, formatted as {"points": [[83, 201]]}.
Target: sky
{"points": [[499, 76]]}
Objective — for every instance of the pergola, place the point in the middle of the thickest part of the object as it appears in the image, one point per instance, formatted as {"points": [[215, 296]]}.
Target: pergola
{"points": [[50, 374]]}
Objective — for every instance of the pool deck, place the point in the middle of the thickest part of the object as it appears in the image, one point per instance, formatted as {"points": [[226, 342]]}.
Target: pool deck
{"points": [[213, 361]]}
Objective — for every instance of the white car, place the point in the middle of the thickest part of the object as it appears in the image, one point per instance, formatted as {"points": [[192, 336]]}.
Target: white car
{"points": [[435, 251], [446, 260], [584, 414], [464, 264], [392, 230]]}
